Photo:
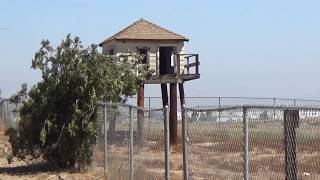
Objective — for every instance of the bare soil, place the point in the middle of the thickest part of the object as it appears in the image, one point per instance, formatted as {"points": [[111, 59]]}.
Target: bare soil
{"points": [[35, 170]]}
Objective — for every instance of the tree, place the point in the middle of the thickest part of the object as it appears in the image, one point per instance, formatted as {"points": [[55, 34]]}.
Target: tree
{"points": [[58, 115]]}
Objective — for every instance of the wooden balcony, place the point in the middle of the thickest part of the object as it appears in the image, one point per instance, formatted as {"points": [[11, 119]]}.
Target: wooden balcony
{"points": [[181, 71]]}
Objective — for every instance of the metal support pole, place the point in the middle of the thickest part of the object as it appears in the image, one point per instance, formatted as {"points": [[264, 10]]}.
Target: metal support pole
{"points": [[185, 142], [274, 110], [149, 116], [245, 145], [166, 143], [130, 145], [105, 140], [219, 103]]}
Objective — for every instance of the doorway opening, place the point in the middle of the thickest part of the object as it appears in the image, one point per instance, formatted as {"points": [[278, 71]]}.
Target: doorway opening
{"points": [[167, 60]]}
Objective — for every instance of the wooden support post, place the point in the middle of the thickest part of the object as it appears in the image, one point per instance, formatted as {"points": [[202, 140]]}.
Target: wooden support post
{"points": [[140, 114], [178, 65], [188, 68], [197, 64], [164, 92], [181, 91], [291, 122], [173, 114]]}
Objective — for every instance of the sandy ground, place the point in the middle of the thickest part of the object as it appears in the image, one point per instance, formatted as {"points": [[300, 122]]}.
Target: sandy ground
{"points": [[22, 170]]}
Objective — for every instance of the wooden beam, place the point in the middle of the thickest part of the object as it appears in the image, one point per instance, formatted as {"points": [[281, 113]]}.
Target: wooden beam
{"points": [[173, 122], [159, 80], [140, 114], [188, 65], [178, 65], [165, 80]]}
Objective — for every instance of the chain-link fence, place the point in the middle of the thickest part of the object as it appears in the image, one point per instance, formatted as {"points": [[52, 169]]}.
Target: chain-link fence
{"points": [[218, 142], [133, 142], [260, 142], [9, 115], [215, 143], [223, 142]]}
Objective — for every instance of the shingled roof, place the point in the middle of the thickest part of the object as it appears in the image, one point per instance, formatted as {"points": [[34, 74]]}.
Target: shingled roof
{"points": [[145, 30]]}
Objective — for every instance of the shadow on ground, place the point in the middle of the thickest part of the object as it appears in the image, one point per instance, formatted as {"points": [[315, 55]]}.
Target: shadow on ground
{"points": [[33, 169]]}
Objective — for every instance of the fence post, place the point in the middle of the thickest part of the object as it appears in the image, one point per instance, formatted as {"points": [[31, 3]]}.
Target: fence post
{"points": [[2, 116], [274, 110], [166, 143], [185, 144], [131, 145], [219, 103], [149, 116], [105, 139], [245, 145], [291, 122]]}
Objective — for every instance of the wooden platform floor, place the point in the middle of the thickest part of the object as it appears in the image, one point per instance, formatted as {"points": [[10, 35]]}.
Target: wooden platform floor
{"points": [[157, 79]]}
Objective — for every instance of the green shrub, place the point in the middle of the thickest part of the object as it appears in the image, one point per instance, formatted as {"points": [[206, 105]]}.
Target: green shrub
{"points": [[58, 115]]}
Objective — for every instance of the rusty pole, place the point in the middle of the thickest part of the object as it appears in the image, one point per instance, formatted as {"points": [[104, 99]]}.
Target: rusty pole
{"points": [[140, 113], [173, 114]]}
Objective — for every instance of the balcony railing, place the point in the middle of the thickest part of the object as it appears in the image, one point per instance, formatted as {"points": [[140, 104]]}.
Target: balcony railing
{"points": [[191, 64], [180, 71]]}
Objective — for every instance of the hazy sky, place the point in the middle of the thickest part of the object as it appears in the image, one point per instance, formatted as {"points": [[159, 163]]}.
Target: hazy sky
{"points": [[247, 48]]}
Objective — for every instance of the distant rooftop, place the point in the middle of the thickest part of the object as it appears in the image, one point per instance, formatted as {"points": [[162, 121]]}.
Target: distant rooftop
{"points": [[145, 30]]}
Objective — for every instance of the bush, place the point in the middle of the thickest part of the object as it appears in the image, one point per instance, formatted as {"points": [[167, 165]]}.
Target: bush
{"points": [[58, 115]]}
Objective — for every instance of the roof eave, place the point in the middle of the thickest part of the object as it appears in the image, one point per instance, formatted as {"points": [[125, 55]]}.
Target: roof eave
{"points": [[125, 39]]}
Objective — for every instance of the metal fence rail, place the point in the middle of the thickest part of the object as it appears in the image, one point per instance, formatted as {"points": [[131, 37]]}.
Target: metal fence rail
{"points": [[193, 101]]}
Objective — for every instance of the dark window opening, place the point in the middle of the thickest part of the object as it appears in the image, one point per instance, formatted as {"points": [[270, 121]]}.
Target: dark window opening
{"points": [[144, 54], [111, 52]]}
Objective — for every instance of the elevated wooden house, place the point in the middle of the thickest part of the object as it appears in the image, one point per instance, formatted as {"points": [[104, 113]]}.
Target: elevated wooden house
{"points": [[164, 51]]}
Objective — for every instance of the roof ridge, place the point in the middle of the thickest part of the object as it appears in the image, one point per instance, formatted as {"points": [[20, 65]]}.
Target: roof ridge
{"points": [[135, 23], [121, 31], [163, 28]]}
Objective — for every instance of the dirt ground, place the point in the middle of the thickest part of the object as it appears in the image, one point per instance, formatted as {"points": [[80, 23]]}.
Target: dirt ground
{"points": [[22, 170]]}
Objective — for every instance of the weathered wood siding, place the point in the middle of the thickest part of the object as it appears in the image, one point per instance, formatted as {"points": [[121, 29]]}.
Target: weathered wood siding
{"points": [[122, 47]]}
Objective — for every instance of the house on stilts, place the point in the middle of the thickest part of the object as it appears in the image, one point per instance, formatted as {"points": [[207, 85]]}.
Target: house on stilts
{"points": [[163, 50]]}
